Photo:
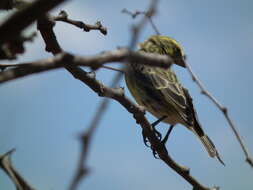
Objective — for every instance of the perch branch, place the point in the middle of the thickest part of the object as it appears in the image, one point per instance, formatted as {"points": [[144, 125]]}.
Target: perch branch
{"points": [[94, 62]]}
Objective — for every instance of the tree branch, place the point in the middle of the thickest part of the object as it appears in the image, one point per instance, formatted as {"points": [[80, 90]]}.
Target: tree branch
{"points": [[94, 62]]}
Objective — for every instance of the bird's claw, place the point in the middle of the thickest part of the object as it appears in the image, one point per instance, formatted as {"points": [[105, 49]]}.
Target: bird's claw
{"points": [[145, 139], [157, 134], [154, 153]]}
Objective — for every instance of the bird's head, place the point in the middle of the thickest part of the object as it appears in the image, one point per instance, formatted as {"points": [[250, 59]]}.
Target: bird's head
{"points": [[164, 45]]}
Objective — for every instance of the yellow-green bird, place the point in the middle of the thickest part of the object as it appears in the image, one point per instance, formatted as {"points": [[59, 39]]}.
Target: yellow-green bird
{"points": [[160, 92]]}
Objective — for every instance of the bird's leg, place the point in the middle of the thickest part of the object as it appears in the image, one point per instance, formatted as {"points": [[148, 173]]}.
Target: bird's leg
{"points": [[158, 134], [167, 134]]}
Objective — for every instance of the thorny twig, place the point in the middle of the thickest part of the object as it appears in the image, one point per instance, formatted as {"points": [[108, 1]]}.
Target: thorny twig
{"points": [[15, 176], [224, 110], [63, 16]]}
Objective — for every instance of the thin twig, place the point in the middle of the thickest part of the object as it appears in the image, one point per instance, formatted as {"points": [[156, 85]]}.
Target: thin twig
{"points": [[113, 69], [146, 14], [63, 16], [15, 176], [137, 28], [224, 110]]}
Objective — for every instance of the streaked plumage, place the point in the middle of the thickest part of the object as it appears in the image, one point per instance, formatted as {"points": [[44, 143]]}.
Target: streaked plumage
{"points": [[160, 92]]}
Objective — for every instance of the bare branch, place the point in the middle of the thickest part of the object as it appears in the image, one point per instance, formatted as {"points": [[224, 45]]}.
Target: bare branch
{"points": [[224, 110], [94, 62], [16, 178], [63, 16]]}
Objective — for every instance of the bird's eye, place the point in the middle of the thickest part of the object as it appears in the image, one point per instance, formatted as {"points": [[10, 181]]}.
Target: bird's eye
{"points": [[177, 52]]}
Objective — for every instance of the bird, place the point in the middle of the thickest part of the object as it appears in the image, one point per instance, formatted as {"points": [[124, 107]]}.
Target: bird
{"points": [[159, 91]]}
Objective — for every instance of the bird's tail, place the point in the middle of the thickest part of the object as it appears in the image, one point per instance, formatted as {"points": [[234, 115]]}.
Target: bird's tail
{"points": [[209, 146], [199, 132]]}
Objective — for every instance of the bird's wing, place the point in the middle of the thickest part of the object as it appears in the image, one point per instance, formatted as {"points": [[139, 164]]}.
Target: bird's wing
{"points": [[163, 86]]}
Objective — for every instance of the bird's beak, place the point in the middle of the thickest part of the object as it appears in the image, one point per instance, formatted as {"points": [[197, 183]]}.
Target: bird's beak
{"points": [[181, 61]]}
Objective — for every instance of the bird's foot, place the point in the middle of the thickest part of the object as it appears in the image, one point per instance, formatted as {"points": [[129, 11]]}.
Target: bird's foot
{"points": [[163, 141], [157, 133], [145, 139]]}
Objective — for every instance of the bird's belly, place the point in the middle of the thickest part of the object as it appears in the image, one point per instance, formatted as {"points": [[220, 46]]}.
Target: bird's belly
{"points": [[158, 111]]}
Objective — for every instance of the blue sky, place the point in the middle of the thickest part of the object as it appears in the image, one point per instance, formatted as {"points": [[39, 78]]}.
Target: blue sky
{"points": [[41, 115]]}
